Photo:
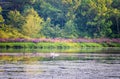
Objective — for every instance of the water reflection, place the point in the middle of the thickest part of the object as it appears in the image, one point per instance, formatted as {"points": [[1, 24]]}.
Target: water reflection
{"points": [[84, 69], [19, 68], [66, 66]]}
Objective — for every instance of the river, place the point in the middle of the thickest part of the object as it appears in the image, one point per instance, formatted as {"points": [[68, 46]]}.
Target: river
{"points": [[65, 66]]}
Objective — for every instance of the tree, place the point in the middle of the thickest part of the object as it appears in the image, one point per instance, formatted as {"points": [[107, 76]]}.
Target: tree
{"points": [[93, 18], [33, 23], [49, 30], [61, 18], [1, 18], [15, 19], [115, 18], [116, 14], [72, 6], [50, 9], [70, 30], [16, 4]]}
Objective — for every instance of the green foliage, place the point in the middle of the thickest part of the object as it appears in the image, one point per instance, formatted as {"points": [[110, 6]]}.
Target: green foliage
{"points": [[115, 14], [33, 23], [1, 18], [73, 6], [10, 32], [57, 45], [45, 45], [94, 18], [0, 9], [60, 18], [70, 30], [113, 45], [3, 34], [15, 19], [49, 30]]}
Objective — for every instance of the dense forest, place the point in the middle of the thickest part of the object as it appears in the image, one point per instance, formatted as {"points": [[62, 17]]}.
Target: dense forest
{"points": [[59, 18]]}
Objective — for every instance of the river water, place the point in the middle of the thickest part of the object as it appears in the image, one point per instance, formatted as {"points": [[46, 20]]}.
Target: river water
{"points": [[65, 66]]}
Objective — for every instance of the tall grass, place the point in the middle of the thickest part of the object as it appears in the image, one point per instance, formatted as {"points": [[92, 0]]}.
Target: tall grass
{"points": [[59, 43], [47, 45]]}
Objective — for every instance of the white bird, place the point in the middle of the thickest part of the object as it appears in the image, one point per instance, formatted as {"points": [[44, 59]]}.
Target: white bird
{"points": [[53, 55]]}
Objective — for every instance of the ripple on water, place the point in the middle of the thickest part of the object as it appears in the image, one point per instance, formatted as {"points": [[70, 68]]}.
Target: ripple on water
{"points": [[61, 69]]}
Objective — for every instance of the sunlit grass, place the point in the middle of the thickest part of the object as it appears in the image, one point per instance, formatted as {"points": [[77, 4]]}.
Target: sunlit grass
{"points": [[47, 45]]}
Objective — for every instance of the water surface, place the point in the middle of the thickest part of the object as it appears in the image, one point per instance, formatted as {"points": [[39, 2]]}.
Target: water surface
{"points": [[37, 65]]}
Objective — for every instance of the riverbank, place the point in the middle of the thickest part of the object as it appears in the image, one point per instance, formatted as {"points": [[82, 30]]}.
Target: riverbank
{"points": [[55, 45], [58, 43], [44, 45]]}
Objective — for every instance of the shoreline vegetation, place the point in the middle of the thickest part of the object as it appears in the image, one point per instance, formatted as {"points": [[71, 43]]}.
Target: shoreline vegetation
{"points": [[45, 57], [59, 19], [58, 43], [59, 24]]}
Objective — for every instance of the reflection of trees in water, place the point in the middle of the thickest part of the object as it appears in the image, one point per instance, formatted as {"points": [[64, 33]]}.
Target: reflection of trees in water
{"points": [[13, 66], [16, 59]]}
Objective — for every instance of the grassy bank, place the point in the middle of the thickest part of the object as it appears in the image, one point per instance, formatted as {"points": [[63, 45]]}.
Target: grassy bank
{"points": [[55, 45]]}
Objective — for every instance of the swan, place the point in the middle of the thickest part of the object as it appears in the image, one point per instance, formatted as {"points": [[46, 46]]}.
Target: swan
{"points": [[53, 55]]}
